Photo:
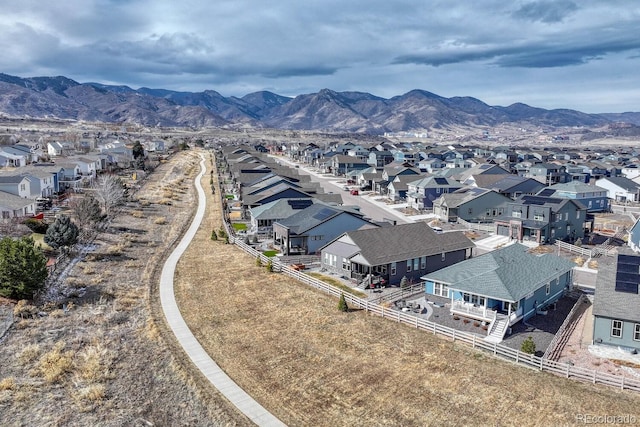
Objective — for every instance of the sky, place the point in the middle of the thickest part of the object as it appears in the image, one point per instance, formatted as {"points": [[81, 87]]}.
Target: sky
{"points": [[578, 54]]}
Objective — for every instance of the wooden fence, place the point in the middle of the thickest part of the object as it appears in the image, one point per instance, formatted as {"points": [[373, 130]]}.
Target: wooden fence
{"points": [[589, 253], [475, 341], [562, 335]]}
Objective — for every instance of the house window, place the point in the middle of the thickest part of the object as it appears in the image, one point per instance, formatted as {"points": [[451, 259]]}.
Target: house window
{"points": [[437, 191], [408, 266], [517, 214], [416, 262], [636, 332], [566, 216], [393, 268], [346, 265], [616, 328], [473, 299], [23, 187], [317, 237], [423, 263], [538, 217], [440, 289], [443, 256], [548, 288]]}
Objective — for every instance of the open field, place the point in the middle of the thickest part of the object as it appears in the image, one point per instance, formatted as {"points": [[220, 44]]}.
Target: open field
{"points": [[292, 350], [105, 361]]}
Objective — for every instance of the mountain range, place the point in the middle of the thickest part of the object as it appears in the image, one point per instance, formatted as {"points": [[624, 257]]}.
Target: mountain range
{"points": [[358, 112]]}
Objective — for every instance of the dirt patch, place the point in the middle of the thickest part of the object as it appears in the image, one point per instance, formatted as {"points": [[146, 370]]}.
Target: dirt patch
{"points": [[291, 349]]}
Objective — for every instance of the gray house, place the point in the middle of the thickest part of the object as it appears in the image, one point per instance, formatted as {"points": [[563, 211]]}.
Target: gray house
{"points": [[470, 204], [391, 253], [616, 305], [543, 219], [306, 231]]}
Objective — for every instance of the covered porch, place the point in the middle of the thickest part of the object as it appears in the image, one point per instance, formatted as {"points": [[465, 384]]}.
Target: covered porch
{"points": [[485, 309], [367, 274]]}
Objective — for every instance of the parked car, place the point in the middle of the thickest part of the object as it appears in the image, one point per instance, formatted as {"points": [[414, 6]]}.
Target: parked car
{"points": [[354, 192], [345, 188]]}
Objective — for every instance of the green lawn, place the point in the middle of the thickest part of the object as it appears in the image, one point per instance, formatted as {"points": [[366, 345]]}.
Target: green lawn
{"points": [[239, 226], [270, 254], [39, 241]]}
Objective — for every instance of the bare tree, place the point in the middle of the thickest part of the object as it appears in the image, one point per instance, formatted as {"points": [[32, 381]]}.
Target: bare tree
{"points": [[87, 211], [110, 192]]}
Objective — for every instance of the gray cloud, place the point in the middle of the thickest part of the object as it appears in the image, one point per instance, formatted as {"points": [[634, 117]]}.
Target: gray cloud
{"points": [[549, 11], [450, 47]]}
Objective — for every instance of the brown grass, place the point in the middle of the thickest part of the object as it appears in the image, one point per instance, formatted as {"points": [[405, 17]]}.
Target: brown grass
{"points": [[289, 347]]}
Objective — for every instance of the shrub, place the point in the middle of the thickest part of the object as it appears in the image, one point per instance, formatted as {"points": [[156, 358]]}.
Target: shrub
{"points": [[269, 266], [258, 261], [214, 236], [342, 304], [36, 225], [160, 220], [54, 364], [528, 346]]}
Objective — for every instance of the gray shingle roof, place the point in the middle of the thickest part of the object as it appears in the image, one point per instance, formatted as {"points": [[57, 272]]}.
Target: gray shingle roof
{"points": [[609, 303], [406, 241], [507, 274]]}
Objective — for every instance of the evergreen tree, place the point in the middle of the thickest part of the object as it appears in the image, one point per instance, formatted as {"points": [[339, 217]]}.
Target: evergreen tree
{"points": [[342, 304], [528, 346], [62, 233], [23, 268]]}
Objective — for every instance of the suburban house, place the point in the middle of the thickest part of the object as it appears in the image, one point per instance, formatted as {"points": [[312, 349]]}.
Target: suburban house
{"points": [[306, 231], [512, 186], [342, 164], [389, 173], [620, 189], [470, 204], [12, 206], [18, 185], [543, 219], [391, 253], [423, 191], [14, 158], [548, 173], [592, 196], [379, 159], [55, 148], [502, 287], [262, 217], [616, 304], [398, 188]]}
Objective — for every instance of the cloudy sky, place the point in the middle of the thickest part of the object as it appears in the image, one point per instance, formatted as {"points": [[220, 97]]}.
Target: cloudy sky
{"points": [[580, 54]]}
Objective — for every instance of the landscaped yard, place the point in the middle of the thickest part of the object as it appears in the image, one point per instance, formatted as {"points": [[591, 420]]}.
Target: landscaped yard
{"points": [[290, 348]]}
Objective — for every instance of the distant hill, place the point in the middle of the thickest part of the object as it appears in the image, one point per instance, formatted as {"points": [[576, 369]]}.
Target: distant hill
{"points": [[326, 110]]}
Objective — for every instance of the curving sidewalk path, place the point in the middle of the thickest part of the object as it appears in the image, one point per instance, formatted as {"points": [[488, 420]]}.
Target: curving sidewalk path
{"points": [[221, 381]]}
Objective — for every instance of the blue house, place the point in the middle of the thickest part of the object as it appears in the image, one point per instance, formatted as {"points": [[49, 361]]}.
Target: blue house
{"points": [[594, 198], [422, 192], [502, 287], [306, 231], [616, 304]]}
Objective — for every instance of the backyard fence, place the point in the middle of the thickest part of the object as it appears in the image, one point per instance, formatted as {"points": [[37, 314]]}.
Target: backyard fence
{"points": [[566, 370], [589, 253], [476, 341], [559, 340], [487, 227]]}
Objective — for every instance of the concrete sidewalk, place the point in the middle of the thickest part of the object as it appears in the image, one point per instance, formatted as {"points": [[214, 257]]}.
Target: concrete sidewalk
{"points": [[210, 369]]}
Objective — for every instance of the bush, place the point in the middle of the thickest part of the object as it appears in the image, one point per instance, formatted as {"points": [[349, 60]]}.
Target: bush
{"points": [[528, 346], [258, 261], [269, 266], [36, 225], [214, 236], [342, 304]]}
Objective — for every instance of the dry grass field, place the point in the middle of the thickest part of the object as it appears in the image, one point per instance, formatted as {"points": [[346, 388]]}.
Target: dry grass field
{"points": [[109, 360], [290, 348]]}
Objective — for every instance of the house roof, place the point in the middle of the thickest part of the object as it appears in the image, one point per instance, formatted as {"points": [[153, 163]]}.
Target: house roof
{"points": [[281, 208], [312, 216], [508, 274], [624, 183], [462, 196], [14, 202], [613, 304], [384, 245], [575, 187]]}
